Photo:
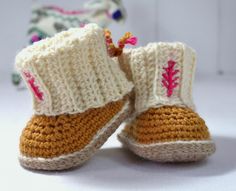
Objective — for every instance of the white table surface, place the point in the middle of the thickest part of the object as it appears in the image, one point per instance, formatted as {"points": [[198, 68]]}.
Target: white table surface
{"points": [[114, 168]]}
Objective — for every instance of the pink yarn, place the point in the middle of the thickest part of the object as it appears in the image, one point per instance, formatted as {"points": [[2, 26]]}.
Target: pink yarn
{"points": [[132, 40], [169, 79], [35, 38], [31, 80], [61, 10]]}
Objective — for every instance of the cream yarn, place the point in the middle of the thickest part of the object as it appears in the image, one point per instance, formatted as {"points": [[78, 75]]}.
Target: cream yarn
{"points": [[72, 72], [146, 68]]}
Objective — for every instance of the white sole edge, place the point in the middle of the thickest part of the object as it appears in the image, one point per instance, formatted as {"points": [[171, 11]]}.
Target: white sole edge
{"points": [[177, 151]]}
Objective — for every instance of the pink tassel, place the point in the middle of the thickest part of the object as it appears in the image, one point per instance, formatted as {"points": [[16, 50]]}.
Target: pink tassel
{"points": [[132, 40]]}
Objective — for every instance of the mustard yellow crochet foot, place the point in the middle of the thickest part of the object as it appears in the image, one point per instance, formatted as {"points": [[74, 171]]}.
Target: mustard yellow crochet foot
{"points": [[165, 126], [64, 141], [168, 134]]}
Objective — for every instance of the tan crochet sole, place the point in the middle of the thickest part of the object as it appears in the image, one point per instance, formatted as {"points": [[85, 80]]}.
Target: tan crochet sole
{"points": [[79, 157], [179, 151]]}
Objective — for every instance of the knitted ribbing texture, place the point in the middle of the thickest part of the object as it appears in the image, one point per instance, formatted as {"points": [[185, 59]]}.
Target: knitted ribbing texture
{"points": [[72, 72], [162, 74]]}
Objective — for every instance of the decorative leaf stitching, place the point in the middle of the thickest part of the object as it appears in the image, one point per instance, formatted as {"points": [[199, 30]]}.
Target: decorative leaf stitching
{"points": [[169, 77], [31, 80]]}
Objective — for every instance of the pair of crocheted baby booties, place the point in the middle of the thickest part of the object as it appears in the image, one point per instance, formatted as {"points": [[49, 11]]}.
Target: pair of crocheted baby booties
{"points": [[83, 89]]}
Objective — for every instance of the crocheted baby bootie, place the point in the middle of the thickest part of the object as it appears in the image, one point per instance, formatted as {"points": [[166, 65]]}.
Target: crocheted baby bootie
{"points": [[165, 126], [79, 98]]}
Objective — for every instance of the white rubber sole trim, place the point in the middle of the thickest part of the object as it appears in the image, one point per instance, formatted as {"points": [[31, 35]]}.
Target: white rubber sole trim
{"points": [[179, 151], [77, 158]]}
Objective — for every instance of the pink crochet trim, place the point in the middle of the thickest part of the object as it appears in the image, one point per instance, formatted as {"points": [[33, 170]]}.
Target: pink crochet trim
{"points": [[169, 79], [62, 11], [31, 80]]}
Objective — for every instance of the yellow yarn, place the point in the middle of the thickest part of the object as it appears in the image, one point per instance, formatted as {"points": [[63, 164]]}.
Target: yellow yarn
{"points": [[167, 124]]}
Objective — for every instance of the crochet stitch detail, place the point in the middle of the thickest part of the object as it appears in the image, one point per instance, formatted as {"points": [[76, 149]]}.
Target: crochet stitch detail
{"points": [[54, 136], [167, 124], [74, 71], [169, 81], [156, 71], [35, 88]]}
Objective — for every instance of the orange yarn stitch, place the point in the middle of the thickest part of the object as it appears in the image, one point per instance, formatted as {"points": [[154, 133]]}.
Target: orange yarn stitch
{"points": [[114, 51], [167, 124], [53, 136]]}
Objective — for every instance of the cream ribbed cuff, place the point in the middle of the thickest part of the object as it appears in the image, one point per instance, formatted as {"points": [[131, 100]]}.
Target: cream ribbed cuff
{"points": [[72, 72], [147, 67]]}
